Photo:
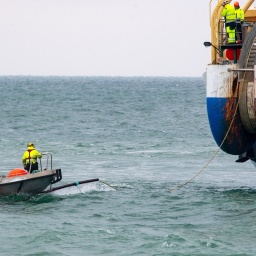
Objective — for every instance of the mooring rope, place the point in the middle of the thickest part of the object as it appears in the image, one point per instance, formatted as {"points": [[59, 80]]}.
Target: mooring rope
{"points": [[216, 152], [107, 184]]}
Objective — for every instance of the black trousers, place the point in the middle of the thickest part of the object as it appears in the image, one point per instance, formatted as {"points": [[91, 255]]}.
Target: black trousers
{"points": [[33, 167]]}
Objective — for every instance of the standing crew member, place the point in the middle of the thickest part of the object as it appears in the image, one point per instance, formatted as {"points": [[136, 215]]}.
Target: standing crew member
{"points": [[229, 14], [239, 20], [29, 158]]}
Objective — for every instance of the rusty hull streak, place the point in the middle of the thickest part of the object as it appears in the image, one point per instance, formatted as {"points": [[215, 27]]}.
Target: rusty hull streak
{"points": [[230, 111], [235, 84]]}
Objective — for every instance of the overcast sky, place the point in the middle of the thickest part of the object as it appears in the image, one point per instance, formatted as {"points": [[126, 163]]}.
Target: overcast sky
{"points": [[104, 37]]}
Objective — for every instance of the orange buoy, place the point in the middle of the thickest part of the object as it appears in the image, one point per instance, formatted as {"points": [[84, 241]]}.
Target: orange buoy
{"points": [[16, 172]]}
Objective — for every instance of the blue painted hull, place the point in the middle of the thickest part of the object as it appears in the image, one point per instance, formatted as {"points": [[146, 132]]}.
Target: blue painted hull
{"points": [[221, 112]]}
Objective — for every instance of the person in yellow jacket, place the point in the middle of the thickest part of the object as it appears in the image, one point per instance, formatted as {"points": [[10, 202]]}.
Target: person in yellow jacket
{"points": [[29, 158], [239, 20], [229, 14]]}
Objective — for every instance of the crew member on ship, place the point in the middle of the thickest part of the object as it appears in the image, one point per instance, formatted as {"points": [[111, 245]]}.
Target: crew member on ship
{"points": [[29, 158], [229, 14]]}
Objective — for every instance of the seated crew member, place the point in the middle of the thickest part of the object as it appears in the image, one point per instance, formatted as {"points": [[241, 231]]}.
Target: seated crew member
{"points": [[29, 158]]}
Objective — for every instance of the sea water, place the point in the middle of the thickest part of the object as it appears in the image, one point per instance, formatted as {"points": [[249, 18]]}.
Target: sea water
{"points": [[144, 138]]}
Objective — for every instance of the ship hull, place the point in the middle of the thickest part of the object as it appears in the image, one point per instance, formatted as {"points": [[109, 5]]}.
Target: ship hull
{"points": [[223, 113]]}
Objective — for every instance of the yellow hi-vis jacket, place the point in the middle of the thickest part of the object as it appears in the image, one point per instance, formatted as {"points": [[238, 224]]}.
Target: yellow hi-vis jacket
{"points": [[239, 14], [30, 156], [229, 13]]}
